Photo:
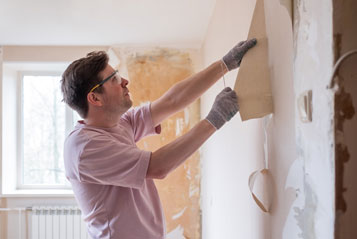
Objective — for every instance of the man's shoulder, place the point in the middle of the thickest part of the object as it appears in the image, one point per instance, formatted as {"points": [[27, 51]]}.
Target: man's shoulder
{"points": [[81, 140], [85, 135]]}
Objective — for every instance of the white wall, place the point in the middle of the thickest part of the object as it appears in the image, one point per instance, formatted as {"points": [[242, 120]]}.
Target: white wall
{"points": [[236, 150]]}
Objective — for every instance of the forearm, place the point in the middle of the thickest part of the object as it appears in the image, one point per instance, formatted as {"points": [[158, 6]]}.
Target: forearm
{"points": [[185, 92], [172, 155], [188, 90]]}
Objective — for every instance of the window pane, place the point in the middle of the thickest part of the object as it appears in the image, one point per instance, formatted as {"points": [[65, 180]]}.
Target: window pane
{"points": [[43, 131]]}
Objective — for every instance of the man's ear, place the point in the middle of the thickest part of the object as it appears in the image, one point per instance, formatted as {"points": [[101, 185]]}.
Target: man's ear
{"points": [[94, 99]]}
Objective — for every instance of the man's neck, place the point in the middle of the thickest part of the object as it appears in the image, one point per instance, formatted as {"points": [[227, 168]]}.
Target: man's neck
{"points": [[102, 120]]}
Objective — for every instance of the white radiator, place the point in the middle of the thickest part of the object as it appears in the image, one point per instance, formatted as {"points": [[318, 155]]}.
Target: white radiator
{"points": [[57, 223]]}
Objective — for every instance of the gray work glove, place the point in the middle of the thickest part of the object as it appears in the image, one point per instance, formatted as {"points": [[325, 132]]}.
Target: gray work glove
{"points": [[234, 57], [224, 108]]}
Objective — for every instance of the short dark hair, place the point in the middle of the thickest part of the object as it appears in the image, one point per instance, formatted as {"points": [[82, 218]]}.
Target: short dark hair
{"points": [[79, 77]]}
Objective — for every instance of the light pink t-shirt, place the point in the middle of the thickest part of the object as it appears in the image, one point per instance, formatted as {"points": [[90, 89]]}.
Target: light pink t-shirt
{"points": [[108, 176]]}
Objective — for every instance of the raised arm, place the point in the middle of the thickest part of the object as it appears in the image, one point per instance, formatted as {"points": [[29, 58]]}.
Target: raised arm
{"points": [[185, 92], [172, 155]]}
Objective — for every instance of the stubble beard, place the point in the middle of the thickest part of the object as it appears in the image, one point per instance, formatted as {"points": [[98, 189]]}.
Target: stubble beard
{"points": [[125, 106], [128, 104]]}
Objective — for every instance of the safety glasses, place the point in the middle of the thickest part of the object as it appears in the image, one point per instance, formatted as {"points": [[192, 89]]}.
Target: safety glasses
{"points": [[105, 80]]}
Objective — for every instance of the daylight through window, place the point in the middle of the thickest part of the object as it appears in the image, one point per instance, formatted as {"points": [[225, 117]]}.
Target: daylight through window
{"points": [[43, 131]]}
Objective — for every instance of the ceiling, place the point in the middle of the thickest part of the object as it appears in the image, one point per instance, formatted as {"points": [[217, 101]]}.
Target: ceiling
{"points": [[181, 23]]}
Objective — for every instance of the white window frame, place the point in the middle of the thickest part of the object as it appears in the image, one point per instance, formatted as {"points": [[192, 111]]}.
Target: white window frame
{"points": [[20, 137]]}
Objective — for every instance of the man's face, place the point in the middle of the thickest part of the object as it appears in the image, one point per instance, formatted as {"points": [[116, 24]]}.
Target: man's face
{"points": [[116, 98]]}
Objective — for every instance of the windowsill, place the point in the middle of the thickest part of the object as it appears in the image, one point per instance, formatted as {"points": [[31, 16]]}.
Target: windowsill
{"points": [[38, 193]]}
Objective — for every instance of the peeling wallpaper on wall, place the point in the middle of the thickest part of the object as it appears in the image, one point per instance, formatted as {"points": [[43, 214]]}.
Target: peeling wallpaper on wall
{"points": [[151, 74]]}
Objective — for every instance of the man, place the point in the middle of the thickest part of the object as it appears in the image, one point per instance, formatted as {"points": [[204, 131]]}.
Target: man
{"points": [[111, 178]]}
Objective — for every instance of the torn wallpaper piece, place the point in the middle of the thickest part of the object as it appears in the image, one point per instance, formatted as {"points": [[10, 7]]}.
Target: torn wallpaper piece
{"points": [[253, 79]]}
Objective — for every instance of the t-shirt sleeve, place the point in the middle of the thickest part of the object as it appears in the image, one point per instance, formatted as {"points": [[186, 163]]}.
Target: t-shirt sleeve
{"points": [[105, 161], [140, 120]]}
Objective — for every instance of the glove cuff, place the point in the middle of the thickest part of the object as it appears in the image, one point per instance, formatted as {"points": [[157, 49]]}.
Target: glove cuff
{"points": [[215, 119], [223, 64], [227, 60]]}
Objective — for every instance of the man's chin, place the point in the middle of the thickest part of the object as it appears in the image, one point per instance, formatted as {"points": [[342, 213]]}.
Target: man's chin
{"points": [[128, 104]]}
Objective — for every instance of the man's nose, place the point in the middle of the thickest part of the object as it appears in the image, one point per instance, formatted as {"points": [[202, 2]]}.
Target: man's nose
{"points": [[124, 82]]}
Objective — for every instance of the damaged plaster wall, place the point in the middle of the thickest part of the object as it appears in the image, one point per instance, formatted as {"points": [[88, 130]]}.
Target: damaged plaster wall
{"points": [[345, 40], [151, 72], [313, 62]]}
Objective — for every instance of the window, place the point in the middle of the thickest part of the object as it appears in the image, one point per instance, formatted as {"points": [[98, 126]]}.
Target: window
{"points": [[44, 123], [35, 123]]}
